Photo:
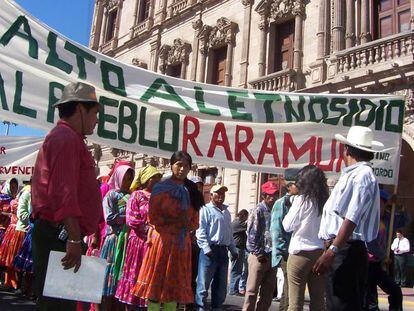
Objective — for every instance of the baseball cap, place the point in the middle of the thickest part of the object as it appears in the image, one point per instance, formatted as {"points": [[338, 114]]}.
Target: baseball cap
{"points": [[216, 188], [270, 187]]}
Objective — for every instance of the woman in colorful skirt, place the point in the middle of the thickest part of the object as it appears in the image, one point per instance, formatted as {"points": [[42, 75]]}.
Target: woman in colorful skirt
{"points": [[137, 221], [165, 275], [114, 206], [12, 242], [23, 262], [8, 193]]}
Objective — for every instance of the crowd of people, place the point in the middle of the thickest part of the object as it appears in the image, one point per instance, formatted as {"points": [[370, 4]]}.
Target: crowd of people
{"points": [[165, 246]]}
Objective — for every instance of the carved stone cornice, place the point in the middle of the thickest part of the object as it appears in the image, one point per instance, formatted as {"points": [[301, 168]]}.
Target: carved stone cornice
{"points": [[178, 53], [110, 4], [264, 22], [139, 63], [222, 33], [203, 36], [197, 25], [247, 2], [174, 55], [277, 9]]}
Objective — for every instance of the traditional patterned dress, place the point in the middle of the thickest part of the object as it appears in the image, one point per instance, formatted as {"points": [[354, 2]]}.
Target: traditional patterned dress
{"points": [[165, 275], [12, 240], [137, 221], [114, 205]]}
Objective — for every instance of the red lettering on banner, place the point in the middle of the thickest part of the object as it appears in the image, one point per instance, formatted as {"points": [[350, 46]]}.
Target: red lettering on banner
{"points": [[2, 150], [220, 130], [308, 146], [16, 170], [242, 146], [325, 167], [190, 137], [266, 149]]}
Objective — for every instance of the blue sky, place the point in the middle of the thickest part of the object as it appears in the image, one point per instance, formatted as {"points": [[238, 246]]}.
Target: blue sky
{"points": [[71, 18]]}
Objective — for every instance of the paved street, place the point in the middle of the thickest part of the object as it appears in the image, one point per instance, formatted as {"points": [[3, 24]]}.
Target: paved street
{"points": [[12, 302]]}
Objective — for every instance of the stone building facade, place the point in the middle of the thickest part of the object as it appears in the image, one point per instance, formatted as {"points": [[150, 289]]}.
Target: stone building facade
{"points": [[335, 46]]}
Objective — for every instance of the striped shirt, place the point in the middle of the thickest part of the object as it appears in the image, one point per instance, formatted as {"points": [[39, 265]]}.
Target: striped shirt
{"points": [[356, 198]]}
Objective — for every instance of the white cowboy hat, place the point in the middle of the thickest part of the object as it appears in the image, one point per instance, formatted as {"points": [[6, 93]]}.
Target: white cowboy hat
{"points": [[361, 137]]}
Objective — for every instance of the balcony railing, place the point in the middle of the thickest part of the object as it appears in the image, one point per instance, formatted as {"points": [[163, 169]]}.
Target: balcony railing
{"points": [[178, 6], [108, 46], [140, 28], [375, 52], [284, 80]]}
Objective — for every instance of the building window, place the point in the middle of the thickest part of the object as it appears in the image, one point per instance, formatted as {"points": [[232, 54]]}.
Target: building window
{"points": [[174, 70], [110, 28], [143, 10], [209, 177], [281, 52], [390, 17], [218, 65]]}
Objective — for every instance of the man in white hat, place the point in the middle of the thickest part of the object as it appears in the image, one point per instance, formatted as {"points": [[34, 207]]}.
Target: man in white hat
{"points": [[350, 218], [215, 239], [66, 199]]}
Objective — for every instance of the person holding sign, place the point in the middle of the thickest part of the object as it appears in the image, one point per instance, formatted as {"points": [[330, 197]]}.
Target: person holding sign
{"points": [[165, 274], [350, 218], [66, 200]]}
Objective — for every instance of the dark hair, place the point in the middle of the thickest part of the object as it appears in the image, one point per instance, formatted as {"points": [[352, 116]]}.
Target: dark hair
{"points": [[242, 212], [196, 197], [400, 230], [14, 181], [68, 109], [358, 154], [312, 184]]}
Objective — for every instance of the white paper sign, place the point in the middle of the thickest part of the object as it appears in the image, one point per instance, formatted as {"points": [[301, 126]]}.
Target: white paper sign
{"points": [[85, 285]]}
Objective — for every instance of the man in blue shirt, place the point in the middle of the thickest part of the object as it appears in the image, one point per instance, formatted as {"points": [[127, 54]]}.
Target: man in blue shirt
{"points": [[350, 219], [215, 238]]}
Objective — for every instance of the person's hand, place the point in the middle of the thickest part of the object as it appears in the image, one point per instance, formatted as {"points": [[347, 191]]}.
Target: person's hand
{"points": [[73, 256], [261, 258], [95, 242], [397, 250], [324, 263], [209, 254]]}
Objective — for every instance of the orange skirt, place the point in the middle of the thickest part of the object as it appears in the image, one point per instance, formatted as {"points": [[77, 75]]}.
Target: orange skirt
{"points": [[10, 246], [165, 274]]}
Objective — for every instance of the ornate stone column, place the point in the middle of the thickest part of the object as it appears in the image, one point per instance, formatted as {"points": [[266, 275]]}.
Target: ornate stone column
{"points": [[299, 13], [104, 28], [263, 27], [117, 24], [350, 23], [96, 25], [155, 44], [365, 22], [244, 63], [321, 34], [338, 26], [161, 13], [203, 37], [197, 25]]}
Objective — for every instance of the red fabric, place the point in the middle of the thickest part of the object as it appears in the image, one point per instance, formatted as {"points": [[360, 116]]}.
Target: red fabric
{"points": [[64, 180], [270, 187]]}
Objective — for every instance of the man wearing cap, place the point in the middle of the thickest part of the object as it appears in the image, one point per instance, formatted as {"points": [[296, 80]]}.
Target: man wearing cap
{"points": [[215, 238], [65, 193], [350, 219], [261, 278]]}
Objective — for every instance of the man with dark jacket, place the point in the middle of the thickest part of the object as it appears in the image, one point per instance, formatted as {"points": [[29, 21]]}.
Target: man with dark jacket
{"points": [[238, 273]]}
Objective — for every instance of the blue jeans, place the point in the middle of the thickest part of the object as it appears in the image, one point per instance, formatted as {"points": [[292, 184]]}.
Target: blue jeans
{"points": [[238, 273], [212, 270]]}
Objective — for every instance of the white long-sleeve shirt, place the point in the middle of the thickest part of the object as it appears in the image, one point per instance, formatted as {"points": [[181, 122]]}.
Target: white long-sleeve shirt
{"points": [[304, 221], [400, 246]]}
